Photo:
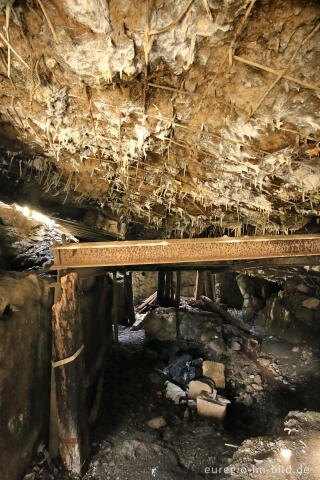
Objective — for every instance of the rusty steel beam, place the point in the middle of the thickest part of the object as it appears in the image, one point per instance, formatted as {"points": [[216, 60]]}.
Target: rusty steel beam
{"points": [[213, 267], [179, 252]]}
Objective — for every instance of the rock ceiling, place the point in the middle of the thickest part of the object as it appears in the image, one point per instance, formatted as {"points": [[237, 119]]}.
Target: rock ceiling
{"points": [[185, 115]]}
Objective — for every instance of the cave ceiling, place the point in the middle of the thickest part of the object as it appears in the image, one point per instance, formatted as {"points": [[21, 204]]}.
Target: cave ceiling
{"points": [[187, 116]]}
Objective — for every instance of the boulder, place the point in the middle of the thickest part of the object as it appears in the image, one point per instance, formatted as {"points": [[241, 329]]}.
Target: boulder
{"points": [[157, 422], [312, 303], [235, 346], [302, 288], [161, 324], [257, 379], [257, 387], [297, 421], [199, 326], [264, 362], [202, 327], [131, 449]]}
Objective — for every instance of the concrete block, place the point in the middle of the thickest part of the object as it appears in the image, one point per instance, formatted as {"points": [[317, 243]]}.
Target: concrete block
{"points": [[214, 371], [208, 407], [196, 387]]}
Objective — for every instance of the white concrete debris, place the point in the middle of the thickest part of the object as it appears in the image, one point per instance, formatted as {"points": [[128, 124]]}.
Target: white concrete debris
{"points": [[174, 393], [207, 406], [196, 387]]}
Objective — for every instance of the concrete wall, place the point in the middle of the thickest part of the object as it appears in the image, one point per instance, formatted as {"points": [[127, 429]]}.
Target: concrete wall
{"points": [[25, 355]]}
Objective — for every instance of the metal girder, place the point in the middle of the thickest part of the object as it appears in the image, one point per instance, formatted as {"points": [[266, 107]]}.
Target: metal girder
{"points": [[180, 252]]}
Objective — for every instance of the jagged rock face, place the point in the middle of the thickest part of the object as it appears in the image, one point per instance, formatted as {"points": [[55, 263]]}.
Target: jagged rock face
{"points": [[26, 237], [25, 352], [144, 107], [264, 457], [293, 314]]}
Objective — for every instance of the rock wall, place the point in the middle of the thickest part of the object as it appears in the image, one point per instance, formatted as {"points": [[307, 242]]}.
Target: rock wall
{"points": [[196, 326], [255, 292], [25, 360], [25, 355], [26, 237], [226, 290], [293, 314], [145, 284]]}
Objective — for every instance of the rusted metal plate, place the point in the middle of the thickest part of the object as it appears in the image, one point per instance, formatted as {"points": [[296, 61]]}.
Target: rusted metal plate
{"points": [[157, 252]]}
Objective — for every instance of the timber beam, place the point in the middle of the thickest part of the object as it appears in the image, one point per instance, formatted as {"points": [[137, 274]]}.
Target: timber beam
{"points": [[184, 252]]}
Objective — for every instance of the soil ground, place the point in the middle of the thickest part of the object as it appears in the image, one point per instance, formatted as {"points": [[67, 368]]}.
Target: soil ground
{"points": [[124, 447]]}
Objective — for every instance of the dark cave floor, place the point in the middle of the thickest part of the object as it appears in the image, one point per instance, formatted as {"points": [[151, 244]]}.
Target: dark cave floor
{"points": [[124, 447]]}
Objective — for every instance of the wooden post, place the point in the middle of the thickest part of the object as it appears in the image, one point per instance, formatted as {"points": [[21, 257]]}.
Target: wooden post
{"points": [[53, 429], [208, 285], [167, 289], [69, 375], [199, 290], [178, 288], [160, 291], [129, 297], [115, 309], [213, 286], [172, 288]]}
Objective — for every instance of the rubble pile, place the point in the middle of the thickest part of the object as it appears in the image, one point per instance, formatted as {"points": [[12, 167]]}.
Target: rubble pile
{"points": [[264, 375], [187, 324], [194, 384], [292, 455], [164, 418], [222, 344]]}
